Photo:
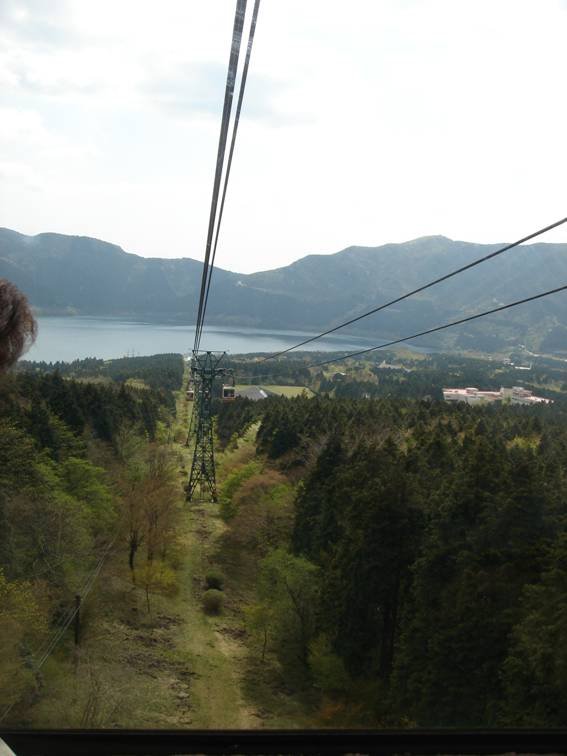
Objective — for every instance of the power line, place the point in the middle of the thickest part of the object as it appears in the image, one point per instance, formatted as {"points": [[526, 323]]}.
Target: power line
{"points": [[87, 588], [417, 335], [231, 152], [227, 107], [419, 289], [45, 652], [426, 332], [442, 327], [62, 624]]}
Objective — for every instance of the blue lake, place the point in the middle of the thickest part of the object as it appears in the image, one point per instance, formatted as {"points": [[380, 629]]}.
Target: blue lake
{"points": [[71, 338]]}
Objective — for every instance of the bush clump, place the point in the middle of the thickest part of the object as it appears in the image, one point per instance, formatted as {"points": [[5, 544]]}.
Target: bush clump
{"points": [[231, 485], [213, 601], [328, 669], [214, 579]]}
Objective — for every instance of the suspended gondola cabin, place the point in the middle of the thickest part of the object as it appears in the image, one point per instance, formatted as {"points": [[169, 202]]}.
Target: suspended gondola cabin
{"points": [[190, 394], [228, 393]]}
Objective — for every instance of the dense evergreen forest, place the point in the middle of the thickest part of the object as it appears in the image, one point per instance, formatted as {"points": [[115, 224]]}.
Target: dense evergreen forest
{"points": [[432, 544], [77, 460], [161, 372], [422, 576]]}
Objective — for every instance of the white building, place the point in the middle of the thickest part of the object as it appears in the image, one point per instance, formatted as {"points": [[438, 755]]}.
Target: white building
{"points": [[514, 395]]}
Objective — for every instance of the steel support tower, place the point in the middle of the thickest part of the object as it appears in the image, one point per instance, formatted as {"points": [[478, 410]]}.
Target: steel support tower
{"points": [[204, 371]]}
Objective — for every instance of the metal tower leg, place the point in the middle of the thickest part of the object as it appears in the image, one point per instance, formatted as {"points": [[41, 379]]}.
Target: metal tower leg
{"points": [[205, 369]]}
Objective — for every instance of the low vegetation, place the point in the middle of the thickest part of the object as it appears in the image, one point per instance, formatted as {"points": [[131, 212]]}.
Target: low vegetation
{"points": [[214, 579], [213, 601]]}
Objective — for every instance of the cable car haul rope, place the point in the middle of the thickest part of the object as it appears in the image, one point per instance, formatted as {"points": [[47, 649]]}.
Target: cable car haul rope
{"points": [[205, 366]]}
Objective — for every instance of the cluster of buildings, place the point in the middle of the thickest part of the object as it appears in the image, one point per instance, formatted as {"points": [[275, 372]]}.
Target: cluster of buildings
{"points": [[514, 395]]}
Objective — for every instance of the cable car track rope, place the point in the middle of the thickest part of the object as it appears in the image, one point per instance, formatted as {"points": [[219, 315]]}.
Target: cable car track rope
{"points": [[436, 281], [227, 107], [205, 368], [214, 221], [231, 151], [445, 325], [422, 333]]}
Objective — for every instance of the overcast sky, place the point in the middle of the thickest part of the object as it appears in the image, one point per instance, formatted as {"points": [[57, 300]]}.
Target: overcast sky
{"points": [[364, 122]]}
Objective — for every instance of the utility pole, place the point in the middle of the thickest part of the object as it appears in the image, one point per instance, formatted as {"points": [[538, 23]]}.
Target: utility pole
{"points": [[204, 370], [77, 619]]}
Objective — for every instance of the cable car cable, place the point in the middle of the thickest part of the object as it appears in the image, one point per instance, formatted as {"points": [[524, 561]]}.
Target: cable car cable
{"points": [[225, 120], [227, 107], [424, 333], [419, 289], [442, 327], [231, 151]]}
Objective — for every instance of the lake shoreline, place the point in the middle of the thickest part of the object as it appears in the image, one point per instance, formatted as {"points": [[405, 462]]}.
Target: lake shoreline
{"points": [[67, 338]]}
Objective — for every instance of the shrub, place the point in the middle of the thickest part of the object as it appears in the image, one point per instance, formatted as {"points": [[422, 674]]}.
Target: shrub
{"points": [[214, 579], [180, 436], [232, 484], [328, 669], [155, 577], [213, 601]]}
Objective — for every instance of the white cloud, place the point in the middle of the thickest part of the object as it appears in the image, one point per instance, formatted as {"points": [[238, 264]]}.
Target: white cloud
{"points": [[377, 121], [17, 125], [21, 175]]}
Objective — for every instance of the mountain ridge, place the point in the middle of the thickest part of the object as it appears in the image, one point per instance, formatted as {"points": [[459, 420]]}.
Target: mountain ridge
{"points": [[64, 274]]}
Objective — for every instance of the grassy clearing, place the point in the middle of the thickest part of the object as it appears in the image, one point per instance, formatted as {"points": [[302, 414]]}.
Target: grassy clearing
{"points": [[126, 672], [230, 458], [101, 380], [231, 687], [137, 383], [289, 391]]}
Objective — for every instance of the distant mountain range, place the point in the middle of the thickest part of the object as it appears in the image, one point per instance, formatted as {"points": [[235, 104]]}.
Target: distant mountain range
{"points": [[64, 275]]}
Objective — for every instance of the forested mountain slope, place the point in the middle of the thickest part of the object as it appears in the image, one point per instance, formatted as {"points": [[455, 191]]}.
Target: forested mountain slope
{"points": [[78, 275]]}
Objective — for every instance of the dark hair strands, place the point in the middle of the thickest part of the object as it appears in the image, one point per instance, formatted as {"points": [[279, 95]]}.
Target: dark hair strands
{"points": [[18, 328]]}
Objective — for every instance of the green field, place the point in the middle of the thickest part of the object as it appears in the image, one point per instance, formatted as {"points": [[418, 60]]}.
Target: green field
{"points": [[289, 391]]}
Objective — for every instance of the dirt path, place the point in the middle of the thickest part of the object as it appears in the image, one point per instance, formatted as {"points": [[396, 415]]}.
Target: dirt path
{"points": [[216, 694]]}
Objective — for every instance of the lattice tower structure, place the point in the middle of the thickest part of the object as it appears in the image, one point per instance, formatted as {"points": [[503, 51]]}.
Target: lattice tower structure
{"points": [[202, 479]]}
